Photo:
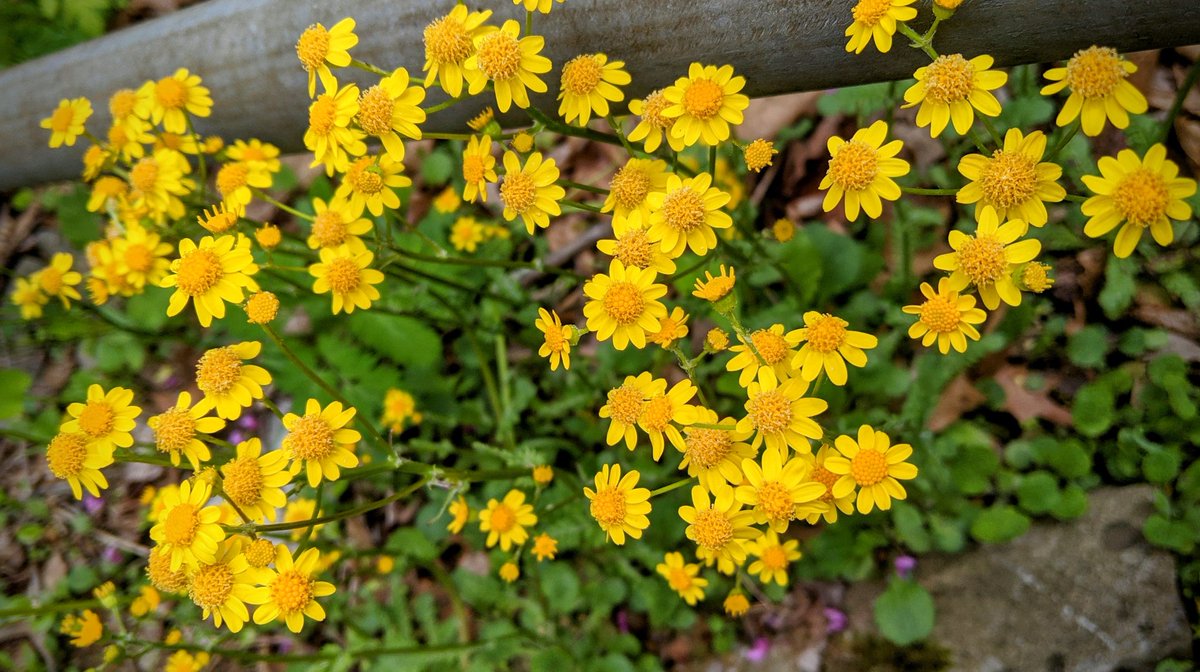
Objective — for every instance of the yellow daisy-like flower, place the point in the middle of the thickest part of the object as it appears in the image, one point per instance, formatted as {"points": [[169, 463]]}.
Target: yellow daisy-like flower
{"points": [[94, 159], [447, 201], [1100, 89], [188, 530], [123, 106], [1014, 181], [141, 256], [778, 490], [951, 89], [773, 557], [543, 474], [827, 506], [162, 577], [254, 481], [542, 6], [345, 272], [107, 189], [670, 328], [157, 182], [624, 305], [544, 547], [256, 154], [876, 20], [872, 465], [75, 458], [368, 183], [713, 454], [291, 589], [459, 513], [716, 340], [320, 441], [684, 578], [530, 191], [186, 661], [618, 505], [399, 410], [505, 521], [27, 295], [626, 404], [479, 168], [58, 280], [171, 99], [236, 179], [768, 349], [391, 108], [633, 247], [1036, 277], [589, 84], [988, 259], [780, 414], [628, 192], [705, 103], [861, 171], [661, 410], [126, 141], [67, 122], [107, 419], [84, 629], [318, 48], [210, 274], [685, 214], [227, 382], [219, 218], [222, 587], [334, 223], [736, 604], [759, 154], [510, 62], [557, 344], [176, 430], [1139, 194], [719, 526], [146, 602], [449, 42], [329, 136], [829, 346], [466, 233], [653, 126], [945, 317], [509, 572]]}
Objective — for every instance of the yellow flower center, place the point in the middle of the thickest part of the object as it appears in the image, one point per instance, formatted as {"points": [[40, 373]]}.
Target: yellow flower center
{"points": [[121, 103], [868, 467], [322, 114], [658, 413], [702, 98], [758, 154], [138, 258], [629, 187], [949, 79], [253, 153], [218, 370], [775, 558], [582, 74], [625, 404], [680, 581], [712, 529], [329, 229], [473, 168], [708, 447], [855, 165], [231, 177], [365, 177], [144, 175], [174, 429], [775, 501], [199, 271], [243, 481], [500, 56], [310, 439], [556, 337], [656, 102], [1035, 277], [158, 568], [871, 11], [503, 518], [344, 275], [447, 42], [518, 192], [96, 419], [66, 454], [262, 307], [291, 591], [211, 585], [683, 210], [772, 346], [1095, 72], [61, 120], [624, 303], [771, 412], [180, 524], [982, 259], [827, 334], [170, 141], [375, 111], [313, 47], [171, 93], [1009, 179], [1142, 197], [941, 314], [50, 278], [826, 478], [608, 507], [260, 553], [634, 249], [117, 137]]}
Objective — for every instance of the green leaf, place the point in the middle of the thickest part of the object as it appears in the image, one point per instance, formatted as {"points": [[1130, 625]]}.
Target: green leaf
{"points": [[437, 167], [1119, 286], [1094, 409], [1142, 132], [1088, 346], [910, 527], [1069, 458], [1037, 493], [1173, 534], [402, 339], [999, 524], [1160, 466], [1072, 503], [562, 585], [411, 542], [860, 100], [904, 612], [13, 385]]}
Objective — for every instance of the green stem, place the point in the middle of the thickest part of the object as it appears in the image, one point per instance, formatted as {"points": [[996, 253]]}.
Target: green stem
{"points": [[443, 105], [1062, 141], [745, 337], [580, 206], [1176, 105], [712, 160], [918, 41], [671, 486], [689, 367], [446, 136], [929, 192], [528, 22], [705, 425], [582, 187], [333, 517], [536, 265], [286, 208], [991, 129], [355, 63], [420, 651]]}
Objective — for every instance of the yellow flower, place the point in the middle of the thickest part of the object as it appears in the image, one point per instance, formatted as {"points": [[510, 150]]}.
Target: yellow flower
{"points": [[543, 474], [736, 604], [345, 272], [385, 564], [58, 280], [254, 481], [123, 105], [1036, 277], [589, 84], [1014, 181], [713, 454], [624, 305], [625, 406], [67, 122], [1139, 194], [94, 158], [505, 521], [716, 339], [829, 346], [988, 259], [715, 288], [466, 234], [449, 42], [719, 526], [654, 125], [236, 179], [259, 553], [780, 414], [399, 409], [705, 103], [268, 236], [759, 154], [661, 409], [633, 247], [544, 547], [222, 587], [221, 218], [291, 590], [509, 572], [329, 136], [510, 62], [301, 510], [320, 441], [176, 429], [157, 182], [945, 317], [670, 328], [391, 108], [171, 99], [778, 489], [27, 295], [485, 121], [188, 531], [107, 188], [107, 419], [75, 458], [530, 191], [618, 505], [368, 183], [767, 349], [261, 308], [447, 201], [147, 601], [872, 465], [84, 629], [141, 256], [877, 19], [683, 577], [1100, 89], [542, 6], [861, 171], [951, 88], [557, 339], [773, 557], [685, 213], [459, 512], [319, 48], [628, 192], [827, 506], [334, 223], [256, 154], [186, 661], [227, 382], [209, 274], [522, 142], [126, 141], [162, 577], [479, 168]]}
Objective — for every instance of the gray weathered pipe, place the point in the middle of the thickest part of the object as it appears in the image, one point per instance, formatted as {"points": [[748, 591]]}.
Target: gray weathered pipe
{"points": [[245, 51]]}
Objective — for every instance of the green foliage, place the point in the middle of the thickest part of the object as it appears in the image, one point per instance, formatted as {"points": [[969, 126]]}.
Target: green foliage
{"points": [[999, 524], [904, 612]]}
